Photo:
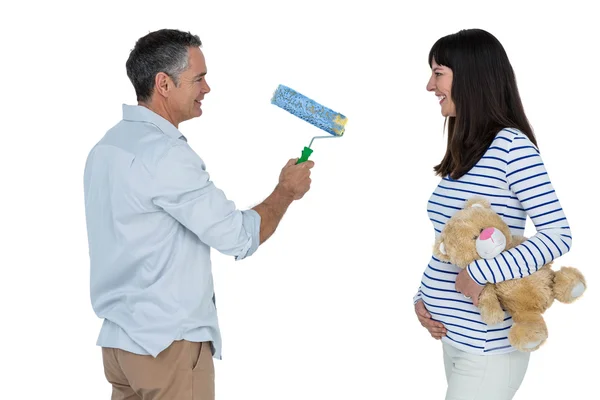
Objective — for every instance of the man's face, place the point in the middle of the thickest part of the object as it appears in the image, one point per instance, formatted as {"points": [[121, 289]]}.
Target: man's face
{"points": [[185, 99]]}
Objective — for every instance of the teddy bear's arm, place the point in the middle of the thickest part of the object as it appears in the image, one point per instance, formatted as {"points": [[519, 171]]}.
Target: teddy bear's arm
{"points": [[491, 310]]}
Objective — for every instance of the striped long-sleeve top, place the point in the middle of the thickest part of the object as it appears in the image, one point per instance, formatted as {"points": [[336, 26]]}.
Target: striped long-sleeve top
{"points": [[512, 176]]}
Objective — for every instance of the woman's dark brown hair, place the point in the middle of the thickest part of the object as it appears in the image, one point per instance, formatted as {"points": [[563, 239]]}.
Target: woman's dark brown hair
{"points": [[484, 91]]}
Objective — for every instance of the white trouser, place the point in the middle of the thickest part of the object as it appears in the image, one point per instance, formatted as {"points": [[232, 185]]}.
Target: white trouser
{"points": [[490, 377]]}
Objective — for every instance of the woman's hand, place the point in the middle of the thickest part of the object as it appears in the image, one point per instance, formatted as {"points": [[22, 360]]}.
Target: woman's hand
{"points": [[436, 329], [468, 287]]}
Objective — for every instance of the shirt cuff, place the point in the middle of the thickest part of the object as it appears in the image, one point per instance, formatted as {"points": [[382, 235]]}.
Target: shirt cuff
{"points": [[417, 297], [251, 224], [478, 276]]}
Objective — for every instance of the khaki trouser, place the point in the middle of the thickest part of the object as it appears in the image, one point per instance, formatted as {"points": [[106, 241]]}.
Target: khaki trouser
{"points": [[183, 371]]}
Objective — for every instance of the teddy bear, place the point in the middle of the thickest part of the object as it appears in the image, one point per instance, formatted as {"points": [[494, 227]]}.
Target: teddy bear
{"points": [[477, 232]]}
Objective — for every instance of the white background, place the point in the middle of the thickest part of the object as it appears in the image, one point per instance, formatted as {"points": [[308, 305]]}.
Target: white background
{"points": [[324, 309]]}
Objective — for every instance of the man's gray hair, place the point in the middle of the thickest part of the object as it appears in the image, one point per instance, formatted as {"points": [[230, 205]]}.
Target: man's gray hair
{"points": [[165, 50]]}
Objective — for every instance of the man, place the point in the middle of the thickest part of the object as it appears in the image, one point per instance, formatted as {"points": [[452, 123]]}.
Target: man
{"points": [[152, 216]]}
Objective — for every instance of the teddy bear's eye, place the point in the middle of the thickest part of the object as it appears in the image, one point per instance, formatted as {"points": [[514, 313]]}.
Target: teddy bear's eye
{"points": [[481, 230], [475, 237]]}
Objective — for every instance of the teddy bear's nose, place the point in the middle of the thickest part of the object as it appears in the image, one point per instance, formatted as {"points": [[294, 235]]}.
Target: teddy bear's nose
{"points": [[486, 234]]}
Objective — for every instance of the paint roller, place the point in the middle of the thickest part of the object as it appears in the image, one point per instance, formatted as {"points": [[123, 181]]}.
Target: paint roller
{"points": [[312, 112]]}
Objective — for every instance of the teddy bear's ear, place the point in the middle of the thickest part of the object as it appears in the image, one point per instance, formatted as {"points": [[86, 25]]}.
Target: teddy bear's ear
{"points": [[479, 202], [439, 250], [442, 248]]}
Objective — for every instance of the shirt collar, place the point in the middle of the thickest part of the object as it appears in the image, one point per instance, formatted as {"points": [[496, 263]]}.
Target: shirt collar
{"points": [[143, 114]]}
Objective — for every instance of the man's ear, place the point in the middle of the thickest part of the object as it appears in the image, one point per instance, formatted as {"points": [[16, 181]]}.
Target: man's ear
{"points": [[163, 84]]}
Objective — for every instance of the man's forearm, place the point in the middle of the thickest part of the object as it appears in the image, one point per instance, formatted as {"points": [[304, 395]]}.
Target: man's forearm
{"points": [[271, 211]]}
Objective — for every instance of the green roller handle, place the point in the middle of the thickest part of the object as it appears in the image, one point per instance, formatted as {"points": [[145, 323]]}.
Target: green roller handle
{"points": [[305, 154]]}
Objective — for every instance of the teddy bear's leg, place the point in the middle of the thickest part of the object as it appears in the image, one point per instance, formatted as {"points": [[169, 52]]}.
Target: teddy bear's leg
{"points": [[491, 310], [569, 284], [528, 332]]}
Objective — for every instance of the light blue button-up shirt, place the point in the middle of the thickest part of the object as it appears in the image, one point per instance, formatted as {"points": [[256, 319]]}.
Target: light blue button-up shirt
{"points": [[152, 215]]}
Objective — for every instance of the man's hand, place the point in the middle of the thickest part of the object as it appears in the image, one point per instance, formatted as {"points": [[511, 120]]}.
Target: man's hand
{"points": [[294, 180], [468, 287], [436, 329]]}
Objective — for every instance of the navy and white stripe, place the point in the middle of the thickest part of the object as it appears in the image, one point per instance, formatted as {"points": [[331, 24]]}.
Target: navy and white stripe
{"points": [[512, 176]]}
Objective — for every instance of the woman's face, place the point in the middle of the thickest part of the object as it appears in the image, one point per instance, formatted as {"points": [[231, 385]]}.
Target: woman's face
{"points": [[441, 83]]}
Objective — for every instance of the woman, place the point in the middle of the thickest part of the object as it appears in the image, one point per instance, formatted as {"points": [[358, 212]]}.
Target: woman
{"points": [[491, 152]]}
